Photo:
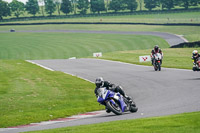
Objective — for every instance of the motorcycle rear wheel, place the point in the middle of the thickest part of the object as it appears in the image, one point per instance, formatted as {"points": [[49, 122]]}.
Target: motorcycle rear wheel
{"points": [[115, 108]]}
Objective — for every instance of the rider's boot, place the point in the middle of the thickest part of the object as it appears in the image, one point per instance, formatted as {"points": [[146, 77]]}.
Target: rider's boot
{"points": [[129, 99]]}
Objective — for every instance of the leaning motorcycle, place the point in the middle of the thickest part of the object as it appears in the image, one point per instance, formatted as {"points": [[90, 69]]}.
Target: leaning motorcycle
{"points": [[157, 61], [115, 102], [196, 66]]}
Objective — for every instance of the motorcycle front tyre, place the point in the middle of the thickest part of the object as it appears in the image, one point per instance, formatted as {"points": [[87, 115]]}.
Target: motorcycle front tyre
{"points": [[155, 68], [114, 108], [159, 67], [133, 109]]}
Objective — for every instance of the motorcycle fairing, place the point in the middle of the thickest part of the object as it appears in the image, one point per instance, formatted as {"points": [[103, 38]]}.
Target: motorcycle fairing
{"points": [[110, 95]]}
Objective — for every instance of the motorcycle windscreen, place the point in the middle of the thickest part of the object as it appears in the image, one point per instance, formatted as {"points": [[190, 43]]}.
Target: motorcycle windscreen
{"points": [[103, 96]]}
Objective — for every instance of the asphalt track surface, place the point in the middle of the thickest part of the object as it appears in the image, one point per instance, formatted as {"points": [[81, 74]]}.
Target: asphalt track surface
{"points": [[170, 91], [170, 38]]}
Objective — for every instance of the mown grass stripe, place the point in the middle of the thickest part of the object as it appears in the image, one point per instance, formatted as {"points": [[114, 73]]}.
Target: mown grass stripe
{"points": [[66, 45]]}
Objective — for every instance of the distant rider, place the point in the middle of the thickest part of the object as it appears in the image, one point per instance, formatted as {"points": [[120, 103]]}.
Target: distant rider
{"points": [[195, 56], [101, 83], [155, 50]]}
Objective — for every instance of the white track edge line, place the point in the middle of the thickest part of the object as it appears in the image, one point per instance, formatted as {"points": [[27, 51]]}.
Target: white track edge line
{"points": [[40, 65], [54, 70]]}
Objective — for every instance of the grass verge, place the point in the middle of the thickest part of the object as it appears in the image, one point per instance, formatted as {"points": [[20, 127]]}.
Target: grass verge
{"points": [[29, 93], [173, 57], [181, 17], [181, 123], [65, 45], [189, 32]]}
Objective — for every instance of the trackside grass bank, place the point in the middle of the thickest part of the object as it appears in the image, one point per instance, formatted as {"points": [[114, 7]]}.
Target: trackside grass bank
{"points": [[29, 93], [66, 45], [189, 32], [181, 123], [173, 57]]}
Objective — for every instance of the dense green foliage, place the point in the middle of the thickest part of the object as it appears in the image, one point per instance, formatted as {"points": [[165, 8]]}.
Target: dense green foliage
{"points": [[66, 6], [97, 5], [168, 4], [50, 6], [83, 6], [32, 7], [117, 5], [17, 7], [131, 5], [150, 4], [4, 9]]}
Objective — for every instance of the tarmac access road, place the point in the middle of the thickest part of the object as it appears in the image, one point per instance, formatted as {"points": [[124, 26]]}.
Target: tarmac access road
{"points": [[165, 92]]}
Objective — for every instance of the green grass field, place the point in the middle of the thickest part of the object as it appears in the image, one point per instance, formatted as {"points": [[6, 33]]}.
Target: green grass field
{"points": [[189, 32], [184, 17], [181, 123], [65, 45], [173, 57], [29, 93]]}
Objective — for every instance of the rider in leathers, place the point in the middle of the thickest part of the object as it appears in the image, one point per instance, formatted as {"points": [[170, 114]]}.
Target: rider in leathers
{"points": [[154, 51], [195, 56], [101, 83]]}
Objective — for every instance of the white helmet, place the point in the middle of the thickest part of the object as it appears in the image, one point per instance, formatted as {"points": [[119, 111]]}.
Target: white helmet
{"points": [[99, 81], [195, 52]]}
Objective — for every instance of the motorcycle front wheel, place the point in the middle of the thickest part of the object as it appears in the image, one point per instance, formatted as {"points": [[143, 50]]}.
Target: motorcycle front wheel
{"points": [[194, 69], [133, 109], [155, 67], [115, 108], [159, 67]]}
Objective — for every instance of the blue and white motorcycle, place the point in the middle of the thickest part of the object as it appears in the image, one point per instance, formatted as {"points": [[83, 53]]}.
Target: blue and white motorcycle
{"points": [[115, 102]]}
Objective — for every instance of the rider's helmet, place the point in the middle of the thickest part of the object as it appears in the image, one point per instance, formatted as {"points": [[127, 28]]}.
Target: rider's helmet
{"points": [[99, 81], [156, 48], [195, 52]]}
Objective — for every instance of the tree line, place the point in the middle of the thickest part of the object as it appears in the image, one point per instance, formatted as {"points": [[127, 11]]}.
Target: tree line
{"points": [[82, 6]]}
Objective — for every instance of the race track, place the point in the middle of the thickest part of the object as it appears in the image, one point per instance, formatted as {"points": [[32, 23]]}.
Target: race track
{"points": [[170, 38], [170, 91]]}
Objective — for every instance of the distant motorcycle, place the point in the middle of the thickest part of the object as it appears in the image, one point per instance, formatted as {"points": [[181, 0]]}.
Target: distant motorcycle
{"points": [[196, 66], [157, 61], [115, 102]]}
